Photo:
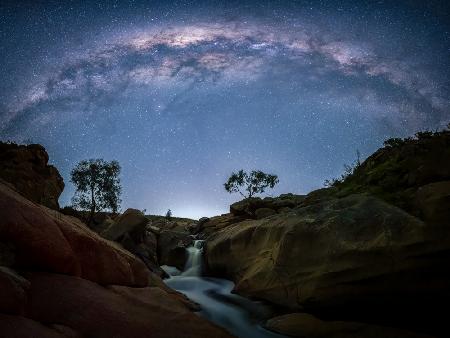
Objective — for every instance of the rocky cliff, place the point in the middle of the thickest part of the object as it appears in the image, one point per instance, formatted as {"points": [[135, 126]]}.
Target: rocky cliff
{"points": [[374, 248], [26, 168], [58, 278]]}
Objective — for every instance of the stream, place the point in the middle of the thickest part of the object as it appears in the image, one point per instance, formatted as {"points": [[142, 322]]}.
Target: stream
{"points": [[238, 315]]}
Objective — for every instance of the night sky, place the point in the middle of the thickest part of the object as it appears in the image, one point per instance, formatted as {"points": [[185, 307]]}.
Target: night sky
{"points": [[182, 93]]}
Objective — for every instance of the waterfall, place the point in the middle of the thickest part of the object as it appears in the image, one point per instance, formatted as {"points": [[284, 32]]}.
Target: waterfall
{"points": [[238, 315], [193, 265]]}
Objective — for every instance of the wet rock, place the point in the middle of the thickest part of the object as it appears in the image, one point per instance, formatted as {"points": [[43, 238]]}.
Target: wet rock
{"points": [[172, 248]]}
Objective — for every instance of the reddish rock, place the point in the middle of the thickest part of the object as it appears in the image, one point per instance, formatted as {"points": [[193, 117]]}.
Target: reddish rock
{"points": [[95, 311], [13, 292], [27, 169], [21, 327], [46, 240]]}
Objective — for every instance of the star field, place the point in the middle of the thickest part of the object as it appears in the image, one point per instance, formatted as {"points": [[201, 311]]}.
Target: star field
{"points": [[182, 93]]}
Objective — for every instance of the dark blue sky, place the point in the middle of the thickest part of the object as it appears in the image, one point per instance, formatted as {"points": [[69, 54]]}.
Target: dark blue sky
{"points": [[182, 93]]}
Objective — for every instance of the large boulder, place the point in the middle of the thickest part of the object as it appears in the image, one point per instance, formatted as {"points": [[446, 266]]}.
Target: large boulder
{"points": [[131, 230], [47, 240], [356, 257], [172, 248], [20, 327], [247, 207], [433, 201], [132, 221], [27, 169], [214, 224], [13, 292]]}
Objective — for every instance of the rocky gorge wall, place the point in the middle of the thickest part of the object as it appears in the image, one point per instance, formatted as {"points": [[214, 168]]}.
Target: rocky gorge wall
{"points": [[374, 248], [58, 278]]}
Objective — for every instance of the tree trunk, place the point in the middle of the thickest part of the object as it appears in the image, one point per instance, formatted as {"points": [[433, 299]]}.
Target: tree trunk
{"points": [[93, 207]]}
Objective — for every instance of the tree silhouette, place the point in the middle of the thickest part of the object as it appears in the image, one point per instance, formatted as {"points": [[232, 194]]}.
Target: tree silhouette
{"points": [[97, 186], [249, 184]]}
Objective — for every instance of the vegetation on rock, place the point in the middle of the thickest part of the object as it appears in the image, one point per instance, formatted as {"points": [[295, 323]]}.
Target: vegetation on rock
{"points": [[395, 172]]}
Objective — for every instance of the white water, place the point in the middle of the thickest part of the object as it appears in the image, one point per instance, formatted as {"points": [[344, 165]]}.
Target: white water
{"points": [[236, 314]]}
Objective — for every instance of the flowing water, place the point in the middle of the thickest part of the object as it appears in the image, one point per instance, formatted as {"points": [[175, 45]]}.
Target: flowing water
{"points": [[236, 314]]}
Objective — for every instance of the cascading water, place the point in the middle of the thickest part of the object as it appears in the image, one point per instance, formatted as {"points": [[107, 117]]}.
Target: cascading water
{"points": [[194, 262], [235, 313]]}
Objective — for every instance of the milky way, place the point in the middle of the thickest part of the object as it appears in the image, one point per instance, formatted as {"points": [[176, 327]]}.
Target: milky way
{"points": [[183, 93]]}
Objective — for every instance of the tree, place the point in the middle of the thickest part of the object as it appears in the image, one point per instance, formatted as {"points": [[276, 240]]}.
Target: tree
{"points": [[247, 185], [169, 215], [97, 186]]}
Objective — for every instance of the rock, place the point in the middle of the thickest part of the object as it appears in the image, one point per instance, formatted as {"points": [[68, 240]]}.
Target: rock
{"points": [[433, 201], [394, 174], [305, 325], [66, 331], [247, 206], [203, 220], [283, 203], [27, 169], [154, 229], [131, 231], [132, 221], [356, 257], [7, 256], [216, 223], [47, 240], [196, 227], [13, 292], [20, 327], [284, 210], [117, 311], [172, 248], [264, 212], [74, 283]]}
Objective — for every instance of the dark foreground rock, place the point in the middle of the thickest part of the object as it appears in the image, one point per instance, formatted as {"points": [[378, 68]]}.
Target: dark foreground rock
{"points": [[131, 230], [305, 325], [172, 248], [27, 169], [60, 279]]}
